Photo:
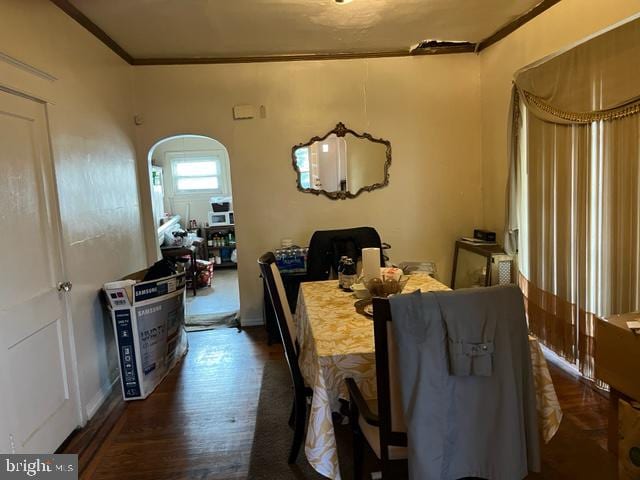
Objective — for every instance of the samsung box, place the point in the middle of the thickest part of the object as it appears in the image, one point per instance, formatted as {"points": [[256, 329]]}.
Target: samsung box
{"points": [[148, 321]]}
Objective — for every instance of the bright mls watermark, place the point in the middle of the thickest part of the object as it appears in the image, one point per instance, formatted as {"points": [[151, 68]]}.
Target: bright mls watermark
{"points": [[52, 467]]}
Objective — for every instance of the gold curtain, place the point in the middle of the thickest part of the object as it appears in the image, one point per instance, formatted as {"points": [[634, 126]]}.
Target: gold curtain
{"points": [[573, 196]]}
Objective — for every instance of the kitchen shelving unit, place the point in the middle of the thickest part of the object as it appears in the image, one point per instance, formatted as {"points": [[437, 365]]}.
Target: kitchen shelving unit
{"points": [[224, 251]]}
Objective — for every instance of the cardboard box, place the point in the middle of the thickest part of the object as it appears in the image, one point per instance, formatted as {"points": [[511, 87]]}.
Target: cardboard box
{"points": [[617, 358], [148, 321], [629, 448]]}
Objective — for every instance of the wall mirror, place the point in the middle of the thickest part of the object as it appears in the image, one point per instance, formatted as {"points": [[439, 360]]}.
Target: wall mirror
{"points": [[342, 164]]}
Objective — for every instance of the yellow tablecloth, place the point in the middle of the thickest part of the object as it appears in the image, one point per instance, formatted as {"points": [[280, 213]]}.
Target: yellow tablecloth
{"points": [[336, 343]]}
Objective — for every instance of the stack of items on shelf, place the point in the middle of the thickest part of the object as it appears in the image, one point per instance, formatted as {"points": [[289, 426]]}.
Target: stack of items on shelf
{"points": [[481, 237], [221, 246], [220, 235]]}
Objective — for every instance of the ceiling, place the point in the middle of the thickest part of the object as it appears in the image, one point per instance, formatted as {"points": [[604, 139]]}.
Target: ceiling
{"points": [[190, 29]]}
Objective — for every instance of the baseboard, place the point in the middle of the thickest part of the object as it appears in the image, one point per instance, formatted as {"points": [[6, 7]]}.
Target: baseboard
{"points": [[86, 441], [251, 322], [99, 398], [558, 361]]}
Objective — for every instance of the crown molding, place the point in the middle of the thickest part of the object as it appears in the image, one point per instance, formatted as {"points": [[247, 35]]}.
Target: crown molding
{"points": [[82, 19], [294, 57], [68, 8], [516, 24]]}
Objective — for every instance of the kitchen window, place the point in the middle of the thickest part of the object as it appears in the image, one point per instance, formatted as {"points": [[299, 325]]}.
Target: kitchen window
{"points": [[198, 173]]}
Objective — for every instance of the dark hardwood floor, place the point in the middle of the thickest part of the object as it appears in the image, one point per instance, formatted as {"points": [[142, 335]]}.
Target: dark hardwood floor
{"points": [[584, 406], [199, 422]]}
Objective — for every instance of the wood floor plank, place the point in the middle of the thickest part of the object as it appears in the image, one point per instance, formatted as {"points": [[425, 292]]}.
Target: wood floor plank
{"points": [[200, 421]]}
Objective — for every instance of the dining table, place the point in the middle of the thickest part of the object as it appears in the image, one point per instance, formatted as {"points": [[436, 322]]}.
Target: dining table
{"points": [[336, 342]]}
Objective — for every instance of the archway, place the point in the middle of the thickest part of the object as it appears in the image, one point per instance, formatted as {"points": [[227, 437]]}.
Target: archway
{"points": [[190, 184]]}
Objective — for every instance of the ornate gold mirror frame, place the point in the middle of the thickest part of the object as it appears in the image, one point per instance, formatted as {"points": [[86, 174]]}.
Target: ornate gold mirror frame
{"points": [[340, 131]]}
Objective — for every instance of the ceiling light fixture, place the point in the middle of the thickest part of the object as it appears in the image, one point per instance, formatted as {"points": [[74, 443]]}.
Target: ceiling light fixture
{"points": [[342, 2]]}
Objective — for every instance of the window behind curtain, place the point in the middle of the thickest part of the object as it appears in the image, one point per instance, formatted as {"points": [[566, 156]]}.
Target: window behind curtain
{"points": [[574, 189]]}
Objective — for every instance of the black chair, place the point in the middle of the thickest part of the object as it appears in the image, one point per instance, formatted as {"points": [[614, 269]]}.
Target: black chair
{"points": [[327, 246], [186, 256], [380, 422], [284, 320]]}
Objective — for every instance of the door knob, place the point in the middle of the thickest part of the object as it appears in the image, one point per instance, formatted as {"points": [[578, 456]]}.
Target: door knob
{"points": [[65, 286]]}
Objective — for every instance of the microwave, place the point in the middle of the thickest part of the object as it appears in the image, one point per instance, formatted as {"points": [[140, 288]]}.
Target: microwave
{"points": [[220, 218]]}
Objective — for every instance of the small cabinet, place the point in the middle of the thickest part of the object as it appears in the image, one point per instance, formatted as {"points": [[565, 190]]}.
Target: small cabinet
{"points": [[480, 265]]}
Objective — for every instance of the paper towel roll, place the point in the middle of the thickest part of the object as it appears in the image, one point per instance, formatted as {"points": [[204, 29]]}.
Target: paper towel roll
{"points": [[370, 263]]}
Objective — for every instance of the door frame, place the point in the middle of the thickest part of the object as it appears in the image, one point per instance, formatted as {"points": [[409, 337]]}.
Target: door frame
{"points": [[148, 222], [56, 220]]}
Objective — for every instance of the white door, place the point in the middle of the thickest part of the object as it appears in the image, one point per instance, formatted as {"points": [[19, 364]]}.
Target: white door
{"points": [[38, 391]]}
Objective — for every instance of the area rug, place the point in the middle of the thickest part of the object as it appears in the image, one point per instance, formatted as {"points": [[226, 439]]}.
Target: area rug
{"points": [[273, 436], [197, 323], [569, 455]]}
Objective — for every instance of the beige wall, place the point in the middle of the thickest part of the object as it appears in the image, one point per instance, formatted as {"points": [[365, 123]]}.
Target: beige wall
{"points": [[564, 24], [93, 150], [196, 205], [428, 107]]}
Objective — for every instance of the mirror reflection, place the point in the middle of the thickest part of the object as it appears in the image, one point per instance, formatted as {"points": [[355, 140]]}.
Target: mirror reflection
{"points": [[342, 164]]}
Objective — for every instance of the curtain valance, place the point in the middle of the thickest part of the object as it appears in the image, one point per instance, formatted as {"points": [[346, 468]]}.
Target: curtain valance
{"points": [[596, 80]]}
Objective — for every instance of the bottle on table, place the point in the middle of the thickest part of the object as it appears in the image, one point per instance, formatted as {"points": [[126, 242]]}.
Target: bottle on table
{"points": [[340, 269], [349, 273]]}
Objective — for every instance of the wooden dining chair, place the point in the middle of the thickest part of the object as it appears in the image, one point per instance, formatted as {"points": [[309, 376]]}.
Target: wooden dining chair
{"points": [[380, 422], [287, 328]]}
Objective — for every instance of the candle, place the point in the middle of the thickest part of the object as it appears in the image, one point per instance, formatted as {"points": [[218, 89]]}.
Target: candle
{"points": [[370, 263]]}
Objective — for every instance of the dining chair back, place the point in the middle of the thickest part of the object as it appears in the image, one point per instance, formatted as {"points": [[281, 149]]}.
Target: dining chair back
{"points": [[392, 423], [281, 293], [286, 327], [327, 246], [381, 423]]}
